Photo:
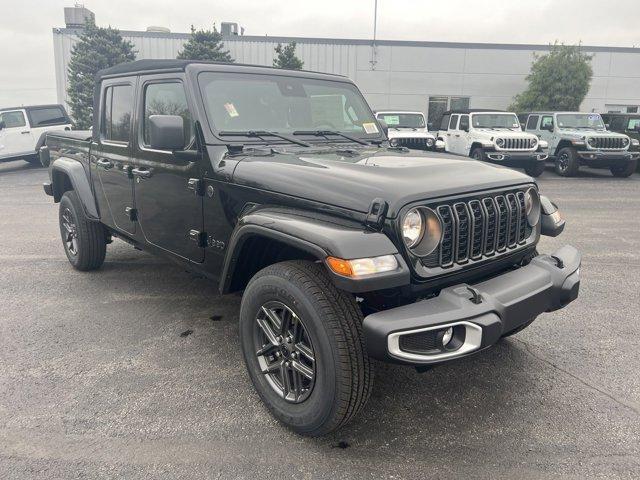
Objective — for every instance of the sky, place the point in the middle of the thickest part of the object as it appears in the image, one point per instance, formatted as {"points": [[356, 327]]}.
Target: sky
{"points": [[26, 55]]}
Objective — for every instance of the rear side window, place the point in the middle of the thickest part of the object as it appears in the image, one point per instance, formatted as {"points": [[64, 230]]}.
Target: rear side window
{"points": [[13, 119], [167, 99], [444, 124], [633, 123], [532, 122], [454, 122], [117, 113], [41, 117]]}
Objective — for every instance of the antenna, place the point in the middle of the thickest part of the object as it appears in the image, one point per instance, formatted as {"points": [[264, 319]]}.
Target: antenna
{"points": [[374, 51]]}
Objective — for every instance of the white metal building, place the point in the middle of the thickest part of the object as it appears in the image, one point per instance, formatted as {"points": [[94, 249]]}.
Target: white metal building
{"points": [[426, 76]]}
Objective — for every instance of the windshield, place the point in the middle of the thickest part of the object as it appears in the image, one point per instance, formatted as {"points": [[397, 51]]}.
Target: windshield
{"points": [[495, 120], [403, 120], [592, 121], [239, 102]]}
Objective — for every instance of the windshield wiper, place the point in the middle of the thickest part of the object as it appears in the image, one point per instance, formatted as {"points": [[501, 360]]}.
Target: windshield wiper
{"points": [[263, 133], [326, 133]]}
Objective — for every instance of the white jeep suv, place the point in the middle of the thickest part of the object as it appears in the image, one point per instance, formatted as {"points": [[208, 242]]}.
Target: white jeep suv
{"points": [[23, 129], [407, 129], [495, 137]]}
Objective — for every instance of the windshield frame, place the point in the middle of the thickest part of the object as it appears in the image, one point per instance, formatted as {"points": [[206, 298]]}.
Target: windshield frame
{"points": [[212, 133], [502, 114], [558, 115]]}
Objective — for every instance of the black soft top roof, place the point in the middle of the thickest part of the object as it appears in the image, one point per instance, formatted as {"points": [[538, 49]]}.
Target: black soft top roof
{"points": [[32, 107], [169, 65], [472, 110]]}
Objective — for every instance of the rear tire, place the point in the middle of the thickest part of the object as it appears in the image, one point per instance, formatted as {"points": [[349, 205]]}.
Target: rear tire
{"points": [[535, 170], [84, 241], [626, 171], [567, 163], [301, 293], [34, 160]]}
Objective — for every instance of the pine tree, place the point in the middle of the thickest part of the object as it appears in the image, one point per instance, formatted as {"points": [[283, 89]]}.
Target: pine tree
{"points": [[558, 80], [205, 45], [96, 49], [286, 57]]}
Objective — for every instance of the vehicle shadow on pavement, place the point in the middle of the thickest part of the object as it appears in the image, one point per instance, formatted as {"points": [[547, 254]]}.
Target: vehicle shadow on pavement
{"points": [[17, 166]]}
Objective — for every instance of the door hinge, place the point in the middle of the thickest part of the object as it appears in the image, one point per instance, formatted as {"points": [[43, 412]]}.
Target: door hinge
{"points": [[199, 237], [132, 213], [377, 212], [196, 186]]}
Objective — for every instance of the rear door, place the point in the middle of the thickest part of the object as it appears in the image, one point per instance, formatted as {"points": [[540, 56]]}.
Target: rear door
{"points": [[47, 118], [168, 184], [111, 155], [15, 138]]}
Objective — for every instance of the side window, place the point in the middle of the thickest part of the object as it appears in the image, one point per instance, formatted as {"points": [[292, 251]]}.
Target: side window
{"points": [[454, 122], [546, 122], [615, 123], [13, 119], [532, 122], [633, 124], [42, 117], [166, 99], [116, 120], [444, 123], [464, 123]]}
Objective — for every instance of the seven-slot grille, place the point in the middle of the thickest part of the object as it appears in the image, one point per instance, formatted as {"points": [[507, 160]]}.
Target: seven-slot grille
{"points": [[415, 143], [608, 143], [517, 144], [478, 228]]}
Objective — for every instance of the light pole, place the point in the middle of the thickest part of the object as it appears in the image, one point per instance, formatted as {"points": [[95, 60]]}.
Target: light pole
{"points": [[373, 60]]}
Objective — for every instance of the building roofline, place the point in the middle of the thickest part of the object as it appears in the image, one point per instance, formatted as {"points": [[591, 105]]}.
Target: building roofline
{"points": [[367, 42]]}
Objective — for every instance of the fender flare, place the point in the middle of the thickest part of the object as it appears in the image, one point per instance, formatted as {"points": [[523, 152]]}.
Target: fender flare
{"points": [[320, 237], [73, 170]]}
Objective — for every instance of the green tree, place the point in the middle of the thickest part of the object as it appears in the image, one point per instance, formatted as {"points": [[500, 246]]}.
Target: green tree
{"points": [[96, 49], [559, 80], [205, 45], [286, 57]]}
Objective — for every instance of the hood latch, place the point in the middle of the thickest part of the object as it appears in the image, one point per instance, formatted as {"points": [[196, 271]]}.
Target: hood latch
{"points": [[377, 212]]}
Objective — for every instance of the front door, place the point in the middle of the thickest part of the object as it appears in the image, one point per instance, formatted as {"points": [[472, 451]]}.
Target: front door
{"points": [[16, 137], [168, 198], [546, 124], [452, 135], [111, 156]]}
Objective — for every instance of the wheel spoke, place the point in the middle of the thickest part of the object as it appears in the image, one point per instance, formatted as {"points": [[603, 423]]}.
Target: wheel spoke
{"points": [[306, 351], [268, 348], [274, 367], [303, 369], [276, 322], [268, 331], [286, 380]]}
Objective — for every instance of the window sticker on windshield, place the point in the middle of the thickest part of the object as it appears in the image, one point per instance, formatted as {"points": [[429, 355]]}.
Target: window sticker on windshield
{"points": [[392, 119], [593, 118], [370, 128], [231, 110]]}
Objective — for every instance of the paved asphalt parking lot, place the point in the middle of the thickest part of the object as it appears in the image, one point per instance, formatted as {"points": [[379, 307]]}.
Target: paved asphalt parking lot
{"points": [[134, 371]]}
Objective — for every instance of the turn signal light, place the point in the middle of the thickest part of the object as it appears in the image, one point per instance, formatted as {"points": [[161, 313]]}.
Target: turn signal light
{"points": [[362, 266]]}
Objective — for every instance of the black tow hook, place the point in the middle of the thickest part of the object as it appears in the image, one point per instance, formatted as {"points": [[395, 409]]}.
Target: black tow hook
{"points": [[476, 299], [559, 262]]}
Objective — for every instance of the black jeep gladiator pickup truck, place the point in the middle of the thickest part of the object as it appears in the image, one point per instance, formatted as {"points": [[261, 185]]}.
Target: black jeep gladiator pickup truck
{"points": [[282, 184]]}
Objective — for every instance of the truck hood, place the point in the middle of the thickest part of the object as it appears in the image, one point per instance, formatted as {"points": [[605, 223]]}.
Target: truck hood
{"points": [[579, 133], [353, 178], [409, 133], [502, 133]]}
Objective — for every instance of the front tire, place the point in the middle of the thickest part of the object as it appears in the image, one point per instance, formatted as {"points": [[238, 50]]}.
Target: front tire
{"points": [[625, 171], [535, 170], [567, 163], [84, 241], [302, 343], [478, 154]]}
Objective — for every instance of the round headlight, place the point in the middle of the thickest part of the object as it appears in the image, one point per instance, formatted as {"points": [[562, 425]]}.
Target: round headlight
{"points": [[625, 141], [394, 142], [422, 231], [500, 142], [429, 142], [592, 141], [412, 228], [532, 206], [533, 142]]}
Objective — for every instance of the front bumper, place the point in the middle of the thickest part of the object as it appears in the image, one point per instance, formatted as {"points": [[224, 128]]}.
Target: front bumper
{"points": [[516, 159], [485, 311], [608, 158]]}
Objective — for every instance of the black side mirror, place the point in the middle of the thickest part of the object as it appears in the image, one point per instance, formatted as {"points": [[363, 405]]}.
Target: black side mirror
{"points": [[606, 125], [430, 126], [2, 124], [550, 218], [166, 132], [548, 128], [384, 127], [465, 128], [637, 128]]}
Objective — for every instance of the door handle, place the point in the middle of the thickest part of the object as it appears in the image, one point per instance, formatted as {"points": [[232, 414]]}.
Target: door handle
{"points": [[457, 135], [104, 163], [26, 132], [141, 173]]}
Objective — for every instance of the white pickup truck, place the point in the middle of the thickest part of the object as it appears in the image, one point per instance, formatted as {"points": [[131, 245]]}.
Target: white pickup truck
{"points": [[22, 130], [408, 129]]}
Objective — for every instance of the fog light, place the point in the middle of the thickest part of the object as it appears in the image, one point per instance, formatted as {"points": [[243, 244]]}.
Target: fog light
{"points": [[446, 336]]}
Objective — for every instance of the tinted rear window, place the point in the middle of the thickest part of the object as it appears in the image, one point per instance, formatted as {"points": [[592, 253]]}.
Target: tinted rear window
{"points": [[41, 117], [13, 119]]}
